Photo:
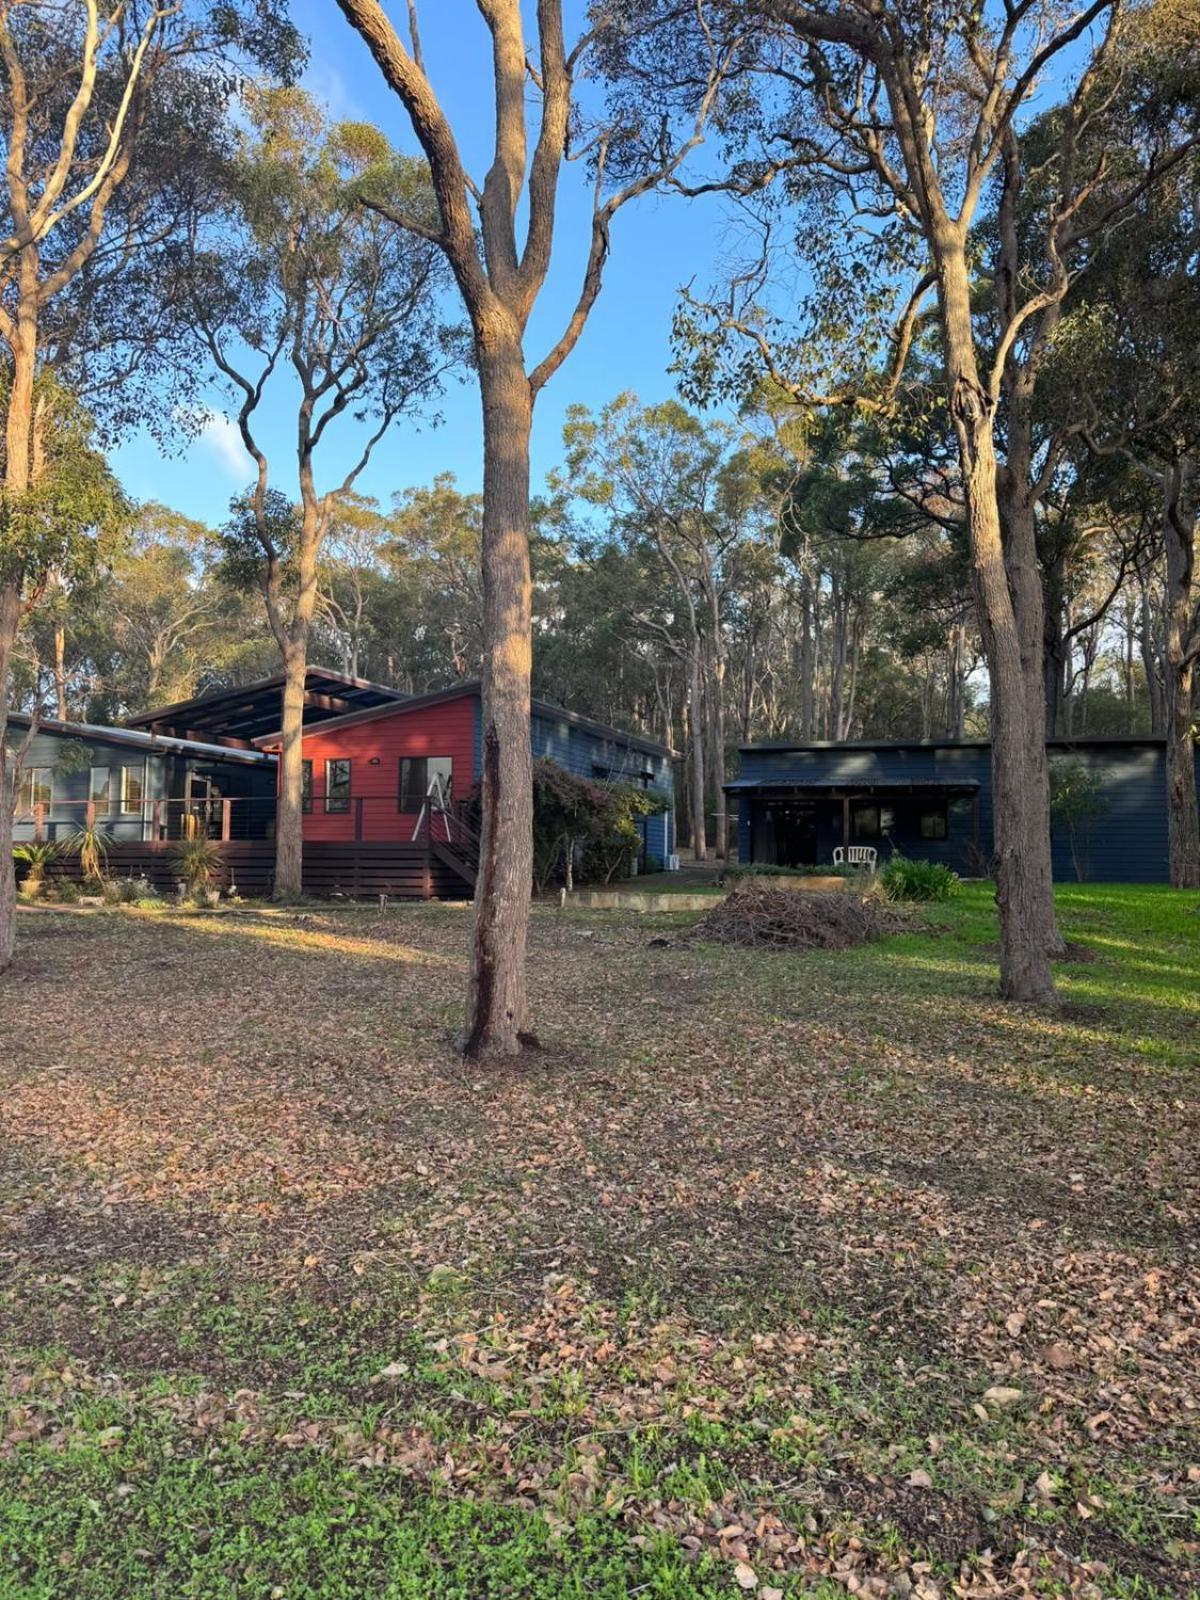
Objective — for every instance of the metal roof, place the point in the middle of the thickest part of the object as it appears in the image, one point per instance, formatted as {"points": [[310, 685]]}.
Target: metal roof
{"points": [[101, 733], [473, 686], [858, 786], [245, 712], [1067, 741]]}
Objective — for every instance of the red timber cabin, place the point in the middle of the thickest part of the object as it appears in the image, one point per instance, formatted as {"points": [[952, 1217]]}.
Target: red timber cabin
{"points": [[370, 755]]}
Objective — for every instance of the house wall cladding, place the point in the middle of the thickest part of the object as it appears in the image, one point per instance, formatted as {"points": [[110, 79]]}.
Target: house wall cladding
{"points": [[1125, 843], [165, 777], [589, 754], [446, 729]]}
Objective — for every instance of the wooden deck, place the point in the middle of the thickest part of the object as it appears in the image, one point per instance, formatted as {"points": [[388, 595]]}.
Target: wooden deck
{"points": [[354, 870]]}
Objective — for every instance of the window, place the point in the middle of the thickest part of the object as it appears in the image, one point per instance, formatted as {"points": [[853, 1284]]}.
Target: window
{"points": [[37, 787], [933, 823], [100, 790], [416, 774], [133, 787], [337, 784], [306, 786], [871, 821]]}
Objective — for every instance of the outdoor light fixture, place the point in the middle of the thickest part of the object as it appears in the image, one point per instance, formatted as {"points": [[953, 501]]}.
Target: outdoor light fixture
{"points": [[373, 762]]}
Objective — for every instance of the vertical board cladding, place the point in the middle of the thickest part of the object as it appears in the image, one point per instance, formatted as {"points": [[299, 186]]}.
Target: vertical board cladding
{"points": [[374, 748], [608, 756], [1123, 840]]}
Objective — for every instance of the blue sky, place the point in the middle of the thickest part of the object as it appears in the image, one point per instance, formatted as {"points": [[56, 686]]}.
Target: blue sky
{"points": [[658, 245]]}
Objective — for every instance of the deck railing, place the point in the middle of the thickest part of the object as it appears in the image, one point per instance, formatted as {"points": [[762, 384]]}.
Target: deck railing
{"points": [[338, 818]]}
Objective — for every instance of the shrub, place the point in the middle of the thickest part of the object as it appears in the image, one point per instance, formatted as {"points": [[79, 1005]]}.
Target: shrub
{"points": [[903, 879], [66, 891], [197, 862], [583, 830]]}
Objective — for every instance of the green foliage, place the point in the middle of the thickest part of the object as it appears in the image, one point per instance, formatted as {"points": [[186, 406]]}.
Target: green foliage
{"points": [[91, 844], [197, 862], [37, 854], [74, 504], [904, 879], [588, 827]]}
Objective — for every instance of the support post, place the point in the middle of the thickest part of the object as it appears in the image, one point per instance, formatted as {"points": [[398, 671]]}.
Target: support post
{"points": [[39, 822], [89, 815], [226, 819], [358, 819], [846, 820]]}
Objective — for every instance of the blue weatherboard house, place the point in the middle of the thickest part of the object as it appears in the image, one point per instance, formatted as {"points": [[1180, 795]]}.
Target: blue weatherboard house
{"points": [[932, 800]]}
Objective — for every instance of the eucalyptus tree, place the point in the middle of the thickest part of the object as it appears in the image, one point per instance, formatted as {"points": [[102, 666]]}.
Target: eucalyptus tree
{"points": [[499, 237], [102, 107], [890, 127], [303, 292], [1130, 341], [70, 499], [673, 483]]}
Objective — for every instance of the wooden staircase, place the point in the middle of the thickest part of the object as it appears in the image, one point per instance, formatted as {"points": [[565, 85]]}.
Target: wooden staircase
{"points": [[447, 835]]}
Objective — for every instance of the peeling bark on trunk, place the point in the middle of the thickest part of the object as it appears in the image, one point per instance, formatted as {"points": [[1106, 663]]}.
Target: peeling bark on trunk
{"points": [[497, 1009]]}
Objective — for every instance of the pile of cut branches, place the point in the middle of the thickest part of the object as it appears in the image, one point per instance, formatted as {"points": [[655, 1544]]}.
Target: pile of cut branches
{"points": [[758, 916]]}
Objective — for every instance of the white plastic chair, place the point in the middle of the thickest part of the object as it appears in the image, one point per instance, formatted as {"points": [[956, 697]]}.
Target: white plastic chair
{"points": [[856, 855]]}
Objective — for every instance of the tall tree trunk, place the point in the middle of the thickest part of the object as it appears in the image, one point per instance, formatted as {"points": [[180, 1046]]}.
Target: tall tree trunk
{"points": [[1020, 798], [18, 466], [716, 718], [1151, 655], [289, 822], [497, 1008], [61, 709], [1054, 649], [1016, 504], [1182, 616], [807, 662], [696, 719], [10, 617]]}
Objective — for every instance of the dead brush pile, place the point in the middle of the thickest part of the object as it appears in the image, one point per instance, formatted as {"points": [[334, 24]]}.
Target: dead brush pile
{"points": [[757, 916]]}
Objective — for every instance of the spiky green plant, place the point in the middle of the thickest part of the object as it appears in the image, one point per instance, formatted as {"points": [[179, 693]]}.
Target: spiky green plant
{"points": [[91, 845], [35, 857], [198, 862]]}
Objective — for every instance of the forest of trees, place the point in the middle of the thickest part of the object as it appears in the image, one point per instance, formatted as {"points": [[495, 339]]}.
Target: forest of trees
{"points": [[824, 607], [932, 469]]}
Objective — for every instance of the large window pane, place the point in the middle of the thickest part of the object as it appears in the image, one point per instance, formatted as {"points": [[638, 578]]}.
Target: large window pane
{"points": [[337, 785], [133, 787], [37, 787], [100, 790]]}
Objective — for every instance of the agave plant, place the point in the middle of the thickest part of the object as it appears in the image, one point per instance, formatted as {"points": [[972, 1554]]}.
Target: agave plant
{"points": [[91, 845], [197, 861]]}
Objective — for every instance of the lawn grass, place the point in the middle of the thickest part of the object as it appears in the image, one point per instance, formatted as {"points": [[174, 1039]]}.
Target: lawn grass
{"points": [[815, 1274]]}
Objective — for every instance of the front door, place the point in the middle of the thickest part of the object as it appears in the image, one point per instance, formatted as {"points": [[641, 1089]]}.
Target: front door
{"points": [[785, 832], [203, 807]]}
